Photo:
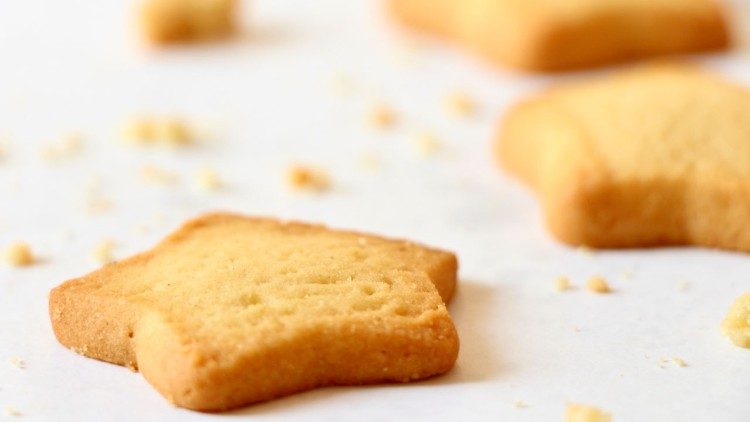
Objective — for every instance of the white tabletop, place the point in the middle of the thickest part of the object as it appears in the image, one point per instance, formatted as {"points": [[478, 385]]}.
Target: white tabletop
{"points": [[267, 100]]}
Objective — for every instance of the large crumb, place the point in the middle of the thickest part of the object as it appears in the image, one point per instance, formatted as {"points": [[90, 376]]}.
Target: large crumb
{"points": [[102, 252], [208, 180], [598, 284], [460, 104], [381, 117], [165, 131], [19, 254], [301, 177], [172, 21], [562, 284], [736, 325], [585, 413]]}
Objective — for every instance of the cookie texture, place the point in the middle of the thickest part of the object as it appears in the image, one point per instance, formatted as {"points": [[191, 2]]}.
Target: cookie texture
{"points": [[736, 325], [230, 310], [553, 35], [653, 156]]}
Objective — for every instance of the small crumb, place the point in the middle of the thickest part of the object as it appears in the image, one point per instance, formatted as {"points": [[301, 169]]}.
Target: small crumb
{"points": [[627, 275], [369, 162], [381, 117], [68, 146], [679, 362], [598, 284], [17, 362], [342, 85], [12, 411], [155, 174], [562, 284], [208, 180], [586, 250], [19, 254], [102, 252], [460, 104], [301, 177], [165, 131], [426, 143], [585, 413], [684, 286], [179, 21], [520, 404]]}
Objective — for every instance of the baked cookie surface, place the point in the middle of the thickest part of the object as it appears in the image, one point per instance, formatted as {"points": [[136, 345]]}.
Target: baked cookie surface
{"points": [[553, 35], [658, 155], [230, 310]]}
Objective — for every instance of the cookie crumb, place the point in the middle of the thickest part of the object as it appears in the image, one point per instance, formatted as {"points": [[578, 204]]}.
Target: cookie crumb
{"points": [[585, 413], [208, 180], [679, 362], [562, 284], [736, 325], [17, 362], [155, 174], [66, 147], [520, 404], [163, 131], [598, 284], [627, 275], [460, 104], [300, 177], [102, 252], [12, 411], [684, 286], [426, 143], [19, 254], [381, 117], [174, 21]]}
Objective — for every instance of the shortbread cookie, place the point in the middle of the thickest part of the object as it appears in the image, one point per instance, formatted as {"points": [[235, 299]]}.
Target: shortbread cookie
{"points": [[231, 310], [553, 35], [658, 155], [736, 325], [172, 21]]}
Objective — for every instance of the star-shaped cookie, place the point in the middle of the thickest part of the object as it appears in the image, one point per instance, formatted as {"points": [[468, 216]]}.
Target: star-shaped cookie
{"points": [[554, 35], [657, 155], [230, 310]]}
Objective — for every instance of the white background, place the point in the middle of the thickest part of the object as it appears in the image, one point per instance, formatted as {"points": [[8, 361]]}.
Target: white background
{"points": [[267, 101]]}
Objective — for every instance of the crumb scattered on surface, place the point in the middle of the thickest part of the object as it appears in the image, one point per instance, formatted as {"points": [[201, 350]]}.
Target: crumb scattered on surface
{"points": [[460, 104], [12, 411], [17, 362], [381, 117], [598, 284], [208, 180], [520, 404], [679, 362], [300, 177], [586, 250], [19, 254], [103, 251], [585, 413], [369, 161], [627, 275], [68, 146], [156, 174], [175, 21], [426, 143], [736, 324], [162, 131], [684, 286], [562, 284]]}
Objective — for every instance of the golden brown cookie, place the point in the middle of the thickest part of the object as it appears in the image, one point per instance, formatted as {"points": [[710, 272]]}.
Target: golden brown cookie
{"points": [[230, 310], [553, 35], [658, 155]]}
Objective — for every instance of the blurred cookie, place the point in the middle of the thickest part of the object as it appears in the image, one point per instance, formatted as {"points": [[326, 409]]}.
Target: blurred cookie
{"points": [[658, 155], [552, 35]]}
